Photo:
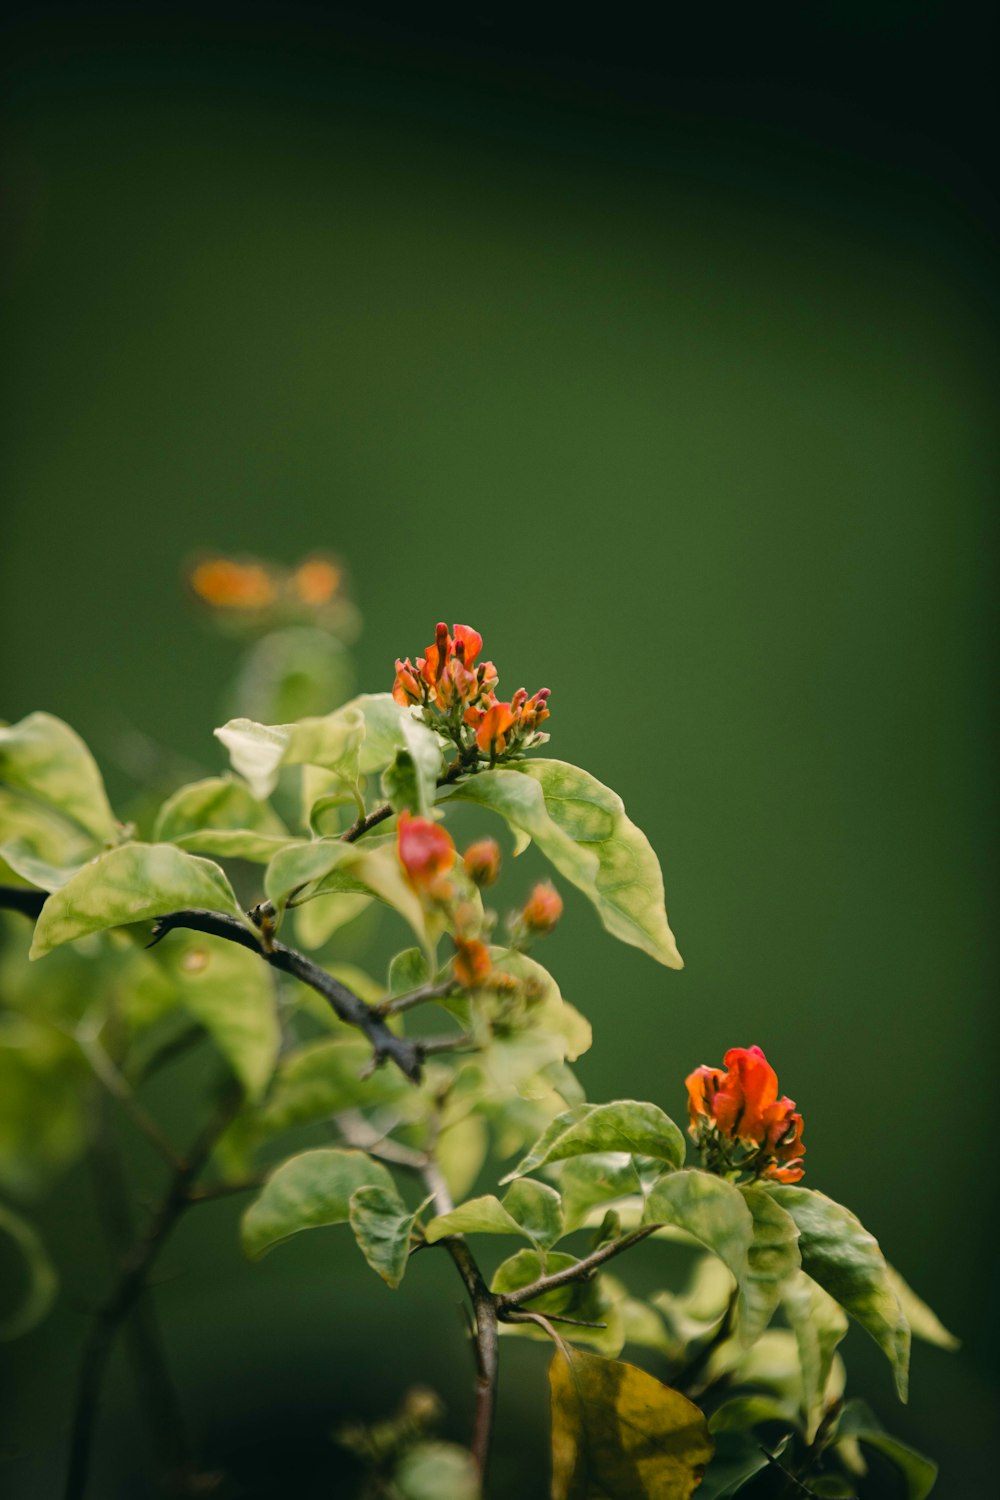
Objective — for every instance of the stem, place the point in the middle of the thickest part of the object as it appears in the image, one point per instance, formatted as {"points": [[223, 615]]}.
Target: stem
{"points": [[578, 1272], [403, 1051], [399, 1003], [485, 1308], [133, 1271], [372, 819]]}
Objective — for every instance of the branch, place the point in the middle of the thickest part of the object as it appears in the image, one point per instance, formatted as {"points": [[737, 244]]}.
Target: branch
{"points": [[398, 1003], [484, 1305], [403, 1051], [581, 1271], [21, 898], [372, 819], [134, 1269]]}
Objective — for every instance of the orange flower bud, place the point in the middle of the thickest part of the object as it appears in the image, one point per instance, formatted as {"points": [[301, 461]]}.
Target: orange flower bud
{"points": [[482, 861], [542, 909], [426, 852], [702, 1086], [472, 963], [406, 688]]}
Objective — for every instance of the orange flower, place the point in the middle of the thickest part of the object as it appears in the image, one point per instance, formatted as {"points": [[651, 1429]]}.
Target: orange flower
{"points": [[491, 735], [739, 1109], [426, 853], [542, 909], [316, 580], [467, 644], [406, 688], [482, 861], [226, 584], [472, 962], [702, 1087]]}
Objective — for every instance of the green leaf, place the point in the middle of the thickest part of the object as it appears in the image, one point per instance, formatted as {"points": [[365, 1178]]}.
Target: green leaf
{"points": [[133, 883], [819, 1325], [301, 864], [380, 872], [411, 780], [743, 1413], [44, 1088], [839, 1253], [530, 1209], [773, 1259], [308, 1191], [625, 1125], [322, 1077], [580, 826], [590, 1182], [317, 921], [47, 759], [384, 734], [924, 1322], [436, 1471], [408, 971], [229, 991], [858, 1422], [221, 816], [537, 1209], [382, 1224], [258, 751], [596, 1300], [738, 1457], [617, 1431], [41, 1281], [715, 1213]]}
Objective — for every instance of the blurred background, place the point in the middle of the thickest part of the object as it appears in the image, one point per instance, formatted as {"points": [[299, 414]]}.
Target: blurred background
{"points": [[663, 352]]}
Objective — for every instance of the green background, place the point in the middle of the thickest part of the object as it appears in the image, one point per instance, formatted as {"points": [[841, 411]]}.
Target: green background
{"points": [[687, 406]]}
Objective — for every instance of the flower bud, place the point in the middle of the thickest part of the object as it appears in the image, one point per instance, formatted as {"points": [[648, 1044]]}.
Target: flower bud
{"points": [[426, 852], [482, 861], [542, 909], [472, 963]]}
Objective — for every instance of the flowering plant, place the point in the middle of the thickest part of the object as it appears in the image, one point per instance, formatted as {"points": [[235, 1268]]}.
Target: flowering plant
{"points": [[377, 1102]]}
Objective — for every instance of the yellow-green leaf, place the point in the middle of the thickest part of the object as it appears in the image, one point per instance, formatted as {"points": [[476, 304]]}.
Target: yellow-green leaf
{"points": [[382, 1224], [47, 759], [221, 816], [258, 751], [308, 1191], [625, 1125], [580, 825], [839, 1253], [133, 883], [618, 1433]]}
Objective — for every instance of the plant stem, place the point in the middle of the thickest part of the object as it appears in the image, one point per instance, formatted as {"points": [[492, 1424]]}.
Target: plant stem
{"points": [[484, 1307], [578, 1272], [133, 1271]]}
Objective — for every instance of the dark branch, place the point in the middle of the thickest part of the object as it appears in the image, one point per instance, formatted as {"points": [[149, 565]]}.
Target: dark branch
{"points": [[22, 898], [582, 1270], [372, 819], [403, 1051]]}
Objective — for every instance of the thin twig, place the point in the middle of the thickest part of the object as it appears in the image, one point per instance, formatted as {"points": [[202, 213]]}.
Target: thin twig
{"points": [[372, 819], [581, 1270], [432, 1044], [398, 1003], [133, 1271]]}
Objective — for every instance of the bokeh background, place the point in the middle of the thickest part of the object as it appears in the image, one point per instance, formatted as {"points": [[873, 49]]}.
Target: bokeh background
{"points": [[664, 353]]}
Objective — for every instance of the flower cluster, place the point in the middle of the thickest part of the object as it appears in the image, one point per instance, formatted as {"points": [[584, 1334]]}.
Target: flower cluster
{"points": [[738, 1121], [456, 697], [431, 866], [258, 595]]}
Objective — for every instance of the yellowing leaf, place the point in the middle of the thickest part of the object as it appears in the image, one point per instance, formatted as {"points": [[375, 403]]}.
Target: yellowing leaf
{"points": [[620, 1434], [580, 825], [133, 883]]}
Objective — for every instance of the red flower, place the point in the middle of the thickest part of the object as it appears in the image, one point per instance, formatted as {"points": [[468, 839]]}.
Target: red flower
{"points": [[426, 852], [542, 909], [482, 861], [472, 962], [740, 1109]]}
